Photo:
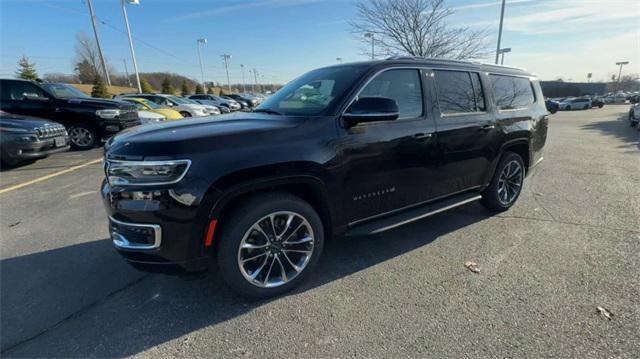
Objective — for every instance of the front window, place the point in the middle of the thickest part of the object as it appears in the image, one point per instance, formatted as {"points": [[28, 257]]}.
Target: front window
{"points": [[64, 91], [403, 86], [314, 93]]}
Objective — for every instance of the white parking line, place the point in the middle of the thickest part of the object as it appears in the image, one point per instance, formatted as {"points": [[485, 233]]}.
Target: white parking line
{"points": [[44, 178]]}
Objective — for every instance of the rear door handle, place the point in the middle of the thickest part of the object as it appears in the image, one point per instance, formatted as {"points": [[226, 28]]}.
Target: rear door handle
{"points": [[422, 136]]}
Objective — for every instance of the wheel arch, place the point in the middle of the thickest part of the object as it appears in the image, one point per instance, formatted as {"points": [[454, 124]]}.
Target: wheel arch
{"points": [[520, 146]]}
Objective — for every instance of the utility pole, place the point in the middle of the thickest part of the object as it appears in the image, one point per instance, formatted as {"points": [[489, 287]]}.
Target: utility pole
{"points": [[126, 71], [622, 63], [339, 59], [95, 32], [370, 35], [504, 51], [500, 30], [133, 53], [226, 58], [255, 77], [243, 87], [198, 43]]}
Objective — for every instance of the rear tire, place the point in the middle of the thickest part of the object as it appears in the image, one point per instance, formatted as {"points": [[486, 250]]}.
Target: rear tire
{"points": [[282, 232], [506, 185]]}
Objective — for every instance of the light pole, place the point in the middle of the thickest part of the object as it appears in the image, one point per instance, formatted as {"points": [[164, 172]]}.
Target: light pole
{"points": [[226, 58], [622, 63], [500, 30], [255, 78], [339, 59], [95, 32], [133, 53], [199, 42], [126, 71], [370, 35], [503, 51], [242, 69]]}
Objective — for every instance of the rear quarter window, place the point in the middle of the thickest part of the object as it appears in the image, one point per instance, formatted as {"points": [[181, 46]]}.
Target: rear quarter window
{"points": [[511, 92]]}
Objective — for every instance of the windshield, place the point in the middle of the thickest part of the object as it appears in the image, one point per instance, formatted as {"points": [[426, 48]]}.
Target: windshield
{"points": [[150, 104], [64, 91], [180, 100], [314, 93]]}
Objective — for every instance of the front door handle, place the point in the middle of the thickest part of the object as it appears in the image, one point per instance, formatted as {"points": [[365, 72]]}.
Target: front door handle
{"points": [[488, 127], [422, 136]]}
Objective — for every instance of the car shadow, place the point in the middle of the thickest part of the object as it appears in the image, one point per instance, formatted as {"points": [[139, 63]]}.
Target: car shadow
{"points": [[155, 309], [619, 128]]}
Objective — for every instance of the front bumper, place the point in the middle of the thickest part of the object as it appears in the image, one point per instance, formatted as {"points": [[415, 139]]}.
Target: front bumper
{"points": [[161, 233], [34, 150]]}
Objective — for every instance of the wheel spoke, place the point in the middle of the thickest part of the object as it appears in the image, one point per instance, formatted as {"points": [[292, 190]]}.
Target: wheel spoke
{"points": [[283, 272], [254, 257], [304, 239], [257, 227], [295, 267], [287, 224], [259, 269], [273, 226], [294, 231], [266, 278], [252, 246], [297, 251]]}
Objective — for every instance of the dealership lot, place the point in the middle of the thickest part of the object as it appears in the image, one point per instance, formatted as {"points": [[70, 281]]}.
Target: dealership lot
{"points": [[569, 245]]}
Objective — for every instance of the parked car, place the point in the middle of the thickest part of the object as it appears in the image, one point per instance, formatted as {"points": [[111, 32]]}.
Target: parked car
{"points": [[351, 149], [244, 105], [634, 98], [25, 139], [211, 110], [216, 101], [552, 106], [580, 103], [146, 105], [184, 107], [634, 115], [87, 120], [596, 101], [148, 117], [251, 102]]}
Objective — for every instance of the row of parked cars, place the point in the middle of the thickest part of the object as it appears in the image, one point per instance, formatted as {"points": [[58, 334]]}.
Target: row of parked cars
{"points": [[573, 103], [38, 119]]}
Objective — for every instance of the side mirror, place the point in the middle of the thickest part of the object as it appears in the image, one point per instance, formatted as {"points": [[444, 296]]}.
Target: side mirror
{"points": [[372, 109], [35, 97]]}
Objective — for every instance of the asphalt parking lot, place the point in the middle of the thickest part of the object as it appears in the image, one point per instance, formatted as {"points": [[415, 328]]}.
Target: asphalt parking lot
{"points": [[570, 245]]}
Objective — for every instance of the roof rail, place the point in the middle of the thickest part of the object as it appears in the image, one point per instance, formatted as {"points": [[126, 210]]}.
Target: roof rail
{"points": [[432, 59]]}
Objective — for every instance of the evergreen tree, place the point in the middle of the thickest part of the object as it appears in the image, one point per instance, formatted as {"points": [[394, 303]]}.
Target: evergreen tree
{"points": [[184, 90], [99, 89], [199, 89], [26, 69], [210, 91], [166, 87], [146, 86]]}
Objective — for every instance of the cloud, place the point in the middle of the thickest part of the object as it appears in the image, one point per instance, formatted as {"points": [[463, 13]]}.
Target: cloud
{"points": [[240, 6], [568, 16], [488, 4]]}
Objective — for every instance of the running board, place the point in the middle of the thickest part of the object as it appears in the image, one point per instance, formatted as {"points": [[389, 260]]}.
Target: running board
{"points": [[412, 215]]}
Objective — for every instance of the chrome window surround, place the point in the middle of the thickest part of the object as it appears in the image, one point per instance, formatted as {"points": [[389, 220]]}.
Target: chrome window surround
{"points": [[121, 242], [150, 163]]}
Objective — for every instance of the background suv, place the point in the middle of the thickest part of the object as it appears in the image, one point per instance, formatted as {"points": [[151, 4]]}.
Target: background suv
{"points": [[87, 119], [353, 149], [232, 105]]}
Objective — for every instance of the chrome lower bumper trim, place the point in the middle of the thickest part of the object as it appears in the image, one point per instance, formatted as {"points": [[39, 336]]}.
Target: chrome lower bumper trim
{"points": [[121, 242]]}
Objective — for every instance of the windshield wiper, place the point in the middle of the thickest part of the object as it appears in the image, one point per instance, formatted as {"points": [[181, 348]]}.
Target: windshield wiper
{"points": [[269, 111]]}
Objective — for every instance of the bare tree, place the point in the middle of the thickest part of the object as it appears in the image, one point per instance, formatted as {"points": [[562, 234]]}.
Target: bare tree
{"points": [[416, 28], [87, 61]]}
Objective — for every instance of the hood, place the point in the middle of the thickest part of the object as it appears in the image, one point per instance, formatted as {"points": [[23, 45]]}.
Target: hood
{"points": [[23, 122], [196, 134], [149, 115], [99, 103]]}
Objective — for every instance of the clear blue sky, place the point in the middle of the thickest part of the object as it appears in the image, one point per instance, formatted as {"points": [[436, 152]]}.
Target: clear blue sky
{"points": [[283, 38]]}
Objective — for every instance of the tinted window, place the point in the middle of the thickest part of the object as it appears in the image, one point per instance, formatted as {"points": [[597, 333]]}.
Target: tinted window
{"points": [[401, 85], [511, 92], [459, 91], [18, 90]]}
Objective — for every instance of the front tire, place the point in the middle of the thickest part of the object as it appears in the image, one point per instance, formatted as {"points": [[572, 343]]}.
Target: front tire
{"points": [[270, 244], [506, 184], [82, 137]]}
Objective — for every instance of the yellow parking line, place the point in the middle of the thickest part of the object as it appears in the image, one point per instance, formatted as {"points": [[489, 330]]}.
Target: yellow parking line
{"points": [[44, 178]]}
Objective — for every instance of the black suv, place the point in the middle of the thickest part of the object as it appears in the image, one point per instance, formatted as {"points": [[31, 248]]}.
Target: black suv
{"points": [[350, 149], [87, 119]]}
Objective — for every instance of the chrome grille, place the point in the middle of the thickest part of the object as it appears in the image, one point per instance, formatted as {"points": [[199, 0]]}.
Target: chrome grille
{"points": [[50, 131]]}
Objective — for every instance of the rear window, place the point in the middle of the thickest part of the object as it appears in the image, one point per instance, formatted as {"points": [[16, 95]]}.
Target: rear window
{"points": [[459, 92], [511, 92]]}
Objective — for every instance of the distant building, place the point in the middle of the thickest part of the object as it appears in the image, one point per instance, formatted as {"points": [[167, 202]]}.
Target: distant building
{"points": [[564, 89]]}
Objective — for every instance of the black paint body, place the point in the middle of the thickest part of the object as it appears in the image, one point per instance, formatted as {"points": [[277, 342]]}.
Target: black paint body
{"points": [[349, 174]]}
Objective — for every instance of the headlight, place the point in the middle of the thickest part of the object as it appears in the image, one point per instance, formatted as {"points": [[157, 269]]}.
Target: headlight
{"points": [[145, 173], [108, 113]]}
